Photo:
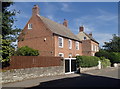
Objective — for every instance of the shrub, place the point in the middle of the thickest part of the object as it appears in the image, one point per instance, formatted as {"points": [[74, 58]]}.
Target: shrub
{"points": [[114, 57], [105, 62], [26, 51], [87, 61]]}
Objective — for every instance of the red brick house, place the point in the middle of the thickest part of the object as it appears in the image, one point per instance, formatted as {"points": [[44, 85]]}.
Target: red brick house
{"points": [[49, 37], [89, 45]]}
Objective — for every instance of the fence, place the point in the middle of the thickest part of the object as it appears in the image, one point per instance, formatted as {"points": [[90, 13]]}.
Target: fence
{"points": [[20, 62]]}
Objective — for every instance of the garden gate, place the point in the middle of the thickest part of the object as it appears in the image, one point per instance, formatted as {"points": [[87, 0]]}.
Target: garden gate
{"points": [[70, 65]]}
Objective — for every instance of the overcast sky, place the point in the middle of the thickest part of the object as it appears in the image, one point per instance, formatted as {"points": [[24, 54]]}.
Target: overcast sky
{"points": [[100, 18]]}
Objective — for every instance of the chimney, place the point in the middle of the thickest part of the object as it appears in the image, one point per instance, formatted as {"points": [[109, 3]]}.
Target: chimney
{"points": [[35, 10], [65, 23], [90, 34], [81, 29]]}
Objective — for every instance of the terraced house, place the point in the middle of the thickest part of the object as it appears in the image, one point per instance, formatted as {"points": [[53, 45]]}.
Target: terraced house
{"points": [[54, 39], [49, 37]]}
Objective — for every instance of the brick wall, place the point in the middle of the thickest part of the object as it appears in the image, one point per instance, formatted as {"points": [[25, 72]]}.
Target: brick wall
{"points": [[19, 62], [34, 37], [66, 49], [87, 47]]}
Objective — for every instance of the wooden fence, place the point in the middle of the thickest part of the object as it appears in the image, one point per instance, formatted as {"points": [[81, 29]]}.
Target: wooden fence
{"points": [[20, 62]]}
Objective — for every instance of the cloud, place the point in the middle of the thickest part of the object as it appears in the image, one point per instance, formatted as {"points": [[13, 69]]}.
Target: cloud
{"points": [[102, 37], [106, 16], [50, 8], [50, 17], [94, 22], [66, 7]]}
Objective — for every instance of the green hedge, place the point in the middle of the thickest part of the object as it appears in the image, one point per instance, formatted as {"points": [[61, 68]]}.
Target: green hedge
{"points": [[87, 61], [105, 62]]}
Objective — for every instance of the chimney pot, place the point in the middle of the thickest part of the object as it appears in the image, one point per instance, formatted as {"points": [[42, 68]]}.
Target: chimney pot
{"points": [[81, 29], [90, 34], [35, 10], [65, 23]]}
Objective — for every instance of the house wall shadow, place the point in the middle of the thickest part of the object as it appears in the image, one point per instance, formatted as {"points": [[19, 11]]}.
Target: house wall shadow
{"points": [[84, 80]]}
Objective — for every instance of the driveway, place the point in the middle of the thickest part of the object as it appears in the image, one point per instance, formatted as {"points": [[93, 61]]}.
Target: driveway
{"points": [[95, 78]]}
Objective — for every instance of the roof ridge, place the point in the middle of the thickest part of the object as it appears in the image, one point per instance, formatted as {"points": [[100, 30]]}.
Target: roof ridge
{"points": [[58, 28]]}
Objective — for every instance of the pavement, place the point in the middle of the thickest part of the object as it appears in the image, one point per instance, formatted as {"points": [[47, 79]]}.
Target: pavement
{"points": [[108, 77]]}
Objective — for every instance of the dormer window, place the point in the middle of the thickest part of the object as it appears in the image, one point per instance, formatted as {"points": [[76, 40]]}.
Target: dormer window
{"points": [[29, 26]]}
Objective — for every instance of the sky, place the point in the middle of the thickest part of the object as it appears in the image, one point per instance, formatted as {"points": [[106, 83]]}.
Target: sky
{"points": [[100, 18]]}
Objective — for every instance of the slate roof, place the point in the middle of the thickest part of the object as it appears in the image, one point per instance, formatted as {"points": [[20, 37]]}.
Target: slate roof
{"points": [[90, 37], [59, 29]]}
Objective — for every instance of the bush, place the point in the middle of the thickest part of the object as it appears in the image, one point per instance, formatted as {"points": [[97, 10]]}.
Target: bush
{"points": [[26, 51], [87, 61], [105, 62]]}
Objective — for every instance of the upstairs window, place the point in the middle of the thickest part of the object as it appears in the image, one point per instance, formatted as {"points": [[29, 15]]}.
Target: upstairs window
{"points": [[60, 42], [92, 47], [95, 48], [77, 45], [70, 44], [29, 26]]}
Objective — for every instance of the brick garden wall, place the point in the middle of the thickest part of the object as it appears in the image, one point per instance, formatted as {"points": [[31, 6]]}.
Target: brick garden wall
{"points": [[20, 62], [28, 67]]}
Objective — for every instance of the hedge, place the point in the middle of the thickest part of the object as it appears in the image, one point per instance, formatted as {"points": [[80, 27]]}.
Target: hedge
{"points": [[87, 61], [105, 62]]}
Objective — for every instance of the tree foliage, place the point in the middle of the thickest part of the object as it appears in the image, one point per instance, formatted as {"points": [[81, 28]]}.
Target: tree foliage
{"points": [[8, 19], [26, 51], [114, 57], [113, 45], [8, 34], [7, 51]]}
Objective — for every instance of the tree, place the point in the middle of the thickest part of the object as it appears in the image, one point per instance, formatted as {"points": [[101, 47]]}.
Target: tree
{"points": [[8, 34], [7, 51], [26, 51], [113, 45]]}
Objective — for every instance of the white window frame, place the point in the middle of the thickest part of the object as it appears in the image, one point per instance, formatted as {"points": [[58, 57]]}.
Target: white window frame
{"points": [[62, 42], [93, 54], [70, 45], [77, 54], [29, 26], [95, 48], [77, 44], [70, 55], [62, 54], [92, 47]]}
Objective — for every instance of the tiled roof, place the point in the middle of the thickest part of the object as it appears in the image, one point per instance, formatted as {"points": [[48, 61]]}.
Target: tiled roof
{"points": [[90, 37], [58, 29]]}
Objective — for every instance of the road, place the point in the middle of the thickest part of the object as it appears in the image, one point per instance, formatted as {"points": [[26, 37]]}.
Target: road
{"points": [[108, 77]]}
